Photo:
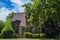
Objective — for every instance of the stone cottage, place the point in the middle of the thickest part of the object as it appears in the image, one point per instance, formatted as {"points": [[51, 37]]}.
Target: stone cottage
{"points": [[22, 22]]}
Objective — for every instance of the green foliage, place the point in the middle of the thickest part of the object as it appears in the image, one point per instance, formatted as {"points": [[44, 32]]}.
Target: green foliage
{"points": [[5, 27], [31, 15], [15, 36], [1, 25], [36, 35], [28, 35], [41, 10], [51, 28], [15, 26], [10, 15], [42, 35], [8, 22], [7, 31]]}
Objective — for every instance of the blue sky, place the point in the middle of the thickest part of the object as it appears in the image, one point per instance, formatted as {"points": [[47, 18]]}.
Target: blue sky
{"points": [[8, 6]]}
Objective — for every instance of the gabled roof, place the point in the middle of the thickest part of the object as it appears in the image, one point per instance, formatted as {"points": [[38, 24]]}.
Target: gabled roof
{"points": [[21, 17]]}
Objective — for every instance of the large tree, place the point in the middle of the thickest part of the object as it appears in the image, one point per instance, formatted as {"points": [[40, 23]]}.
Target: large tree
{"points": [[39, 11], [31, 15]]}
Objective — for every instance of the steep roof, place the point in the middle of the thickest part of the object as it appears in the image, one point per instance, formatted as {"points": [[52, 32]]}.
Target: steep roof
{"points": [[21, 17]]}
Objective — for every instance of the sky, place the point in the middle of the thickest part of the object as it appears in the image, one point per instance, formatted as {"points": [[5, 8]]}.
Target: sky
{"points": [[8, 6]]}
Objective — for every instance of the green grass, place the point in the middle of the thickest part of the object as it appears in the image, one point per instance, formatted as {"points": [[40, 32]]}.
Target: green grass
{"points": [[21, 39], [9, 39], [47, 39], [29, 39]]}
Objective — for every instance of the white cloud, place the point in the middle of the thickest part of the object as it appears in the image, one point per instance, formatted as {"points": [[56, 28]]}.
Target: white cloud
{"points": [[18, 9], [18, 5], [1, 18], [3, 13], [18, 2]]}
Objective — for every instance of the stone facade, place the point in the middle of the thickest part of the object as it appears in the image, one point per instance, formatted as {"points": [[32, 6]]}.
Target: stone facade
{"points": [[20, 17]]}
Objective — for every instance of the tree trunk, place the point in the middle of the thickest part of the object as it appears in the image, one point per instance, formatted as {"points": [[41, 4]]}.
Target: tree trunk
{"points": [[40, 28], [33, 31]]}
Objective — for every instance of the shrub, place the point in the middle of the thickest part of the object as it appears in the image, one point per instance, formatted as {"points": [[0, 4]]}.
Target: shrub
{"points": [[7, 32], [36, 35], [42, 35], [15, 36], [28, 34]]}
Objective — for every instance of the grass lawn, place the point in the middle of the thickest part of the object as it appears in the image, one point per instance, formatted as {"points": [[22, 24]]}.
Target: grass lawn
{"points": [[21, 39], [29, 39], [48, 39]]}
